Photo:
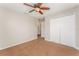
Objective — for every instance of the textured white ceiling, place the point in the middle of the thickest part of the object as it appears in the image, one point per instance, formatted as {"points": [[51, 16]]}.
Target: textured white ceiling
{"points": [[54, 8]]}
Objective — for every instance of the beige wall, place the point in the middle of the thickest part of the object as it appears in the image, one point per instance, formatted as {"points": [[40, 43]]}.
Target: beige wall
{"points": [[72, 11], [16, 28], [77, 27], [47, 29]]}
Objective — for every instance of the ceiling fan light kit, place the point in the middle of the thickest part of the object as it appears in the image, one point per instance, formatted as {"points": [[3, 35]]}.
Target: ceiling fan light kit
{"points": [[38, 7]]}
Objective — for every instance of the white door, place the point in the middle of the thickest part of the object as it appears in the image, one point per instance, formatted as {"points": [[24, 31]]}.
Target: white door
{"points": [[62, 30], [55, 31], [68, 30]]}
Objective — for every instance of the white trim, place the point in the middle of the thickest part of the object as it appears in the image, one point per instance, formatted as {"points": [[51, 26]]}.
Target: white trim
{"points": [[64, 44], [13, 45], [76, 47]]}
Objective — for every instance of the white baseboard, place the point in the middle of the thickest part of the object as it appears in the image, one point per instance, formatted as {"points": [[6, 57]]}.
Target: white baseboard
{"points": [[67, 45], [76, 48], [12, 45]]}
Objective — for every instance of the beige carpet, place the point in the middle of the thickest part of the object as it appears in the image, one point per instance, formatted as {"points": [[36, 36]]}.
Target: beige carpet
{"points": [[40, 47]]}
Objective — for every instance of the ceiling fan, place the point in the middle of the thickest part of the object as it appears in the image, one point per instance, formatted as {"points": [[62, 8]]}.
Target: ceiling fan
{"points": [[38, 7]]}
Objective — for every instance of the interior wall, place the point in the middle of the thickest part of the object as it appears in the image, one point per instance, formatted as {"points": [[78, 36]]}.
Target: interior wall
{"points": [[62, 30], [54, 16], [47, 29], [16, 28], [77, 27], [68, 12]]}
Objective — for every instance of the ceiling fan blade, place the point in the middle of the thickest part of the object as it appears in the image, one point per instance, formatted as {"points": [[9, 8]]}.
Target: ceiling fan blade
{"points": [[39, 4], [31, 11], [41, 12], [45, 8], [28, 5]]}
